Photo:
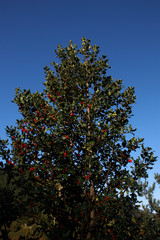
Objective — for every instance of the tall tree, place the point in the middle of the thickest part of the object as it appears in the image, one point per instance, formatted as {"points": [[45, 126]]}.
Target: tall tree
{"points": [[74, 144]]}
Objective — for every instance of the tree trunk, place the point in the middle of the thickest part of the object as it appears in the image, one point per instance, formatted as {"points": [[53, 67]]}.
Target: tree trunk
{"points": [[91, 232]]}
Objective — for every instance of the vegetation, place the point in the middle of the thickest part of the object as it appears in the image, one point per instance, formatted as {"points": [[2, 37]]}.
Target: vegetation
{"points": [[69, 172]]}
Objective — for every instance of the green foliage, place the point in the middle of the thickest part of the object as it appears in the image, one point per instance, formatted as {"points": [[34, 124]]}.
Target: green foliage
{"points": [[69, 169], [153, 204]]}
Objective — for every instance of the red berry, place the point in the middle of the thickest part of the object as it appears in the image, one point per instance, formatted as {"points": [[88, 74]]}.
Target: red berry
{"points": [[87, 177], [31, 204], [105, 130], [107, 198], [31, 169]]}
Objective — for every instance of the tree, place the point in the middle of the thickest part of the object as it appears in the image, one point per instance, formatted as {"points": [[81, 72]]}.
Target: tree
{"points": [[149, 218], [72, 150], [153, 204]]}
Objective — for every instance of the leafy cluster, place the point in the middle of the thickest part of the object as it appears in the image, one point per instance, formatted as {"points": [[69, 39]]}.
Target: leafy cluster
{"points": [[69, 171]]}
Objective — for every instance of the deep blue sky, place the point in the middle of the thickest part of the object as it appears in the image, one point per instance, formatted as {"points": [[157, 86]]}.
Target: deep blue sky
{"points": [[128, 32]]}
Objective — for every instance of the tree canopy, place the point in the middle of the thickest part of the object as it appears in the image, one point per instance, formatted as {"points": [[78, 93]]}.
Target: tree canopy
{"points": [[70, 171]]}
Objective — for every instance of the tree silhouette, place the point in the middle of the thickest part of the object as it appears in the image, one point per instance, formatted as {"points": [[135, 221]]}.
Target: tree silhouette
{"points": [[72, 151]]}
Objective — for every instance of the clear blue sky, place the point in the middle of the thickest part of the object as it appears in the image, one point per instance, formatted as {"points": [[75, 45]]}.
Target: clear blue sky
{"points": [[127, 31]]}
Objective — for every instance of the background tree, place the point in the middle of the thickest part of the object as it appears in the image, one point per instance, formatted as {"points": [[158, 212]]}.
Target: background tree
{"points": [[72, 151], [153, 204], [148, 218]]}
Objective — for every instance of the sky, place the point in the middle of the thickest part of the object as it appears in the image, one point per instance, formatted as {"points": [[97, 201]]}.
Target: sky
{"points": [[128, 32]]}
